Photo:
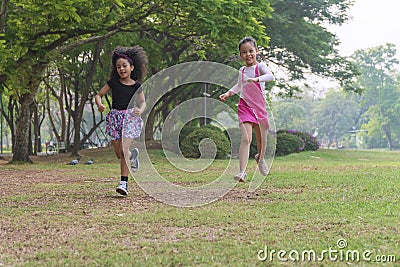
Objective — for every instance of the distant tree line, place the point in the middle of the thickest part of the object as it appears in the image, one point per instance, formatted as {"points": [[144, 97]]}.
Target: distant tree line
{"points": [[346, 119]]}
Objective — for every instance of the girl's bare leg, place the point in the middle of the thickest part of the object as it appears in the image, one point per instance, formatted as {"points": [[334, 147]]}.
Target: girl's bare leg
{"points": [[126, 143], [258, 138], [261, 136], [119, 152], [244, 148]]}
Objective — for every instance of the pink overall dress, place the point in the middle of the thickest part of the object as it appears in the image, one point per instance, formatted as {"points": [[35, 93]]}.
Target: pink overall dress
{"points": [[252, 107]]}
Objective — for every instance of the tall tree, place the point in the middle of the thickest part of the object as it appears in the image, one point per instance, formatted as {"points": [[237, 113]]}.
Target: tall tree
{"points": [[335, 115], [380, 100], [38, 32], [289, 115], [186, 31], [35, 33], [301, 44]]}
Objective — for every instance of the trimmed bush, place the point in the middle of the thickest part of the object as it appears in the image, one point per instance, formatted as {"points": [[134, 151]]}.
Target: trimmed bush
{"points": [[185, 131], [310, 143], [287, 143], [190, 144], [169, 139]]}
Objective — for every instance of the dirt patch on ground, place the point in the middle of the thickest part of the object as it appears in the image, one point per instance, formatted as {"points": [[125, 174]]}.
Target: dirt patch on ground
{"points": [[4, 160], [13, 174]]}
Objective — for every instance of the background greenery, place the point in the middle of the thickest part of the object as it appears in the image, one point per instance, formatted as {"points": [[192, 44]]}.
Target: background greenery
{"points": [[345, 120], [55, 55]]}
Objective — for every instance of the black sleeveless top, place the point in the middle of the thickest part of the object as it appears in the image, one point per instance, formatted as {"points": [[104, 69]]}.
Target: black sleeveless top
{"points": [[122, 94]]}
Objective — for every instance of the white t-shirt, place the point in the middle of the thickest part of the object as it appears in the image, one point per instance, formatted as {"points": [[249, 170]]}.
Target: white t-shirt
{"points": [[265, 75]]}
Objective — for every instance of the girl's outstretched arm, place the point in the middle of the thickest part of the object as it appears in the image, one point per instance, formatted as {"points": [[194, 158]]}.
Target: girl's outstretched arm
{"points": [[100, 94], [234, 90], [141, 102]]}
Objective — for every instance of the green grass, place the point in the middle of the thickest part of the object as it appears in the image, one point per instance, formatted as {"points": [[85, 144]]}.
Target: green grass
{"points": [[70, 215]]}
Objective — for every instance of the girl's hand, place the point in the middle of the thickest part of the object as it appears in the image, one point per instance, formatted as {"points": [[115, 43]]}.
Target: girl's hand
{"points": [[252, 80], [137, 112], [223, 97], [101, 107]]}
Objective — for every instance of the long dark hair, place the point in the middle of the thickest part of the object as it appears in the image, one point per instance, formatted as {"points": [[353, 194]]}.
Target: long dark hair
{"points": [[136, 57]]}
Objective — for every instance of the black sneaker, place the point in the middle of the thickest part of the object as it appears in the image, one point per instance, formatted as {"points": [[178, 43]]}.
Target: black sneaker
{"points": [[122, 188]]}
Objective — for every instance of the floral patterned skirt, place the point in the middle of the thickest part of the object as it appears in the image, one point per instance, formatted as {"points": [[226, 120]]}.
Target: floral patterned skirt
{"points": [[123, 124]]}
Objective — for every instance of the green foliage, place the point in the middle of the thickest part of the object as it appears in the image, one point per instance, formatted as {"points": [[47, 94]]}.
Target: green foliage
{"points": [[289, 141], [336, 114], [300, 42], [190, 145], [309, 142], [287, 144], [288, 114], [380, 101], [40, 32], [169, 139], [185, 131]]}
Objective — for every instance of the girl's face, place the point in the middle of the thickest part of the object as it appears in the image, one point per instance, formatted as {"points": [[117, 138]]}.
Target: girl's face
{"points": [[248, 53], [124, 68]]}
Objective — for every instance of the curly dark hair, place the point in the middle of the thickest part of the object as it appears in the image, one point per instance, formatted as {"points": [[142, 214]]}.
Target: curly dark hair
{"points": [[136, 57]]}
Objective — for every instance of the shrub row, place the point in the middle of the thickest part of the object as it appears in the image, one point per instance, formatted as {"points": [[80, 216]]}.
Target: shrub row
{"points": [[192, 142], [289, 141]]}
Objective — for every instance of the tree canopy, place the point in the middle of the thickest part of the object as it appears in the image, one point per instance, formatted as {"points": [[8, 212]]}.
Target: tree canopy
{"points": [[301, 44], [380, 101], [36, 33]]}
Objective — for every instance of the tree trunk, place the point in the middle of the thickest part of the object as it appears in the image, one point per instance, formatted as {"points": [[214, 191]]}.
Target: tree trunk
{"points": [[35, 131], [330, 141], [3, 14], [50, 115], [11, 110], [21, 151], [386, 130], [9, 117], [32, 68], [84, 96], [30, 145], [149, 132]]}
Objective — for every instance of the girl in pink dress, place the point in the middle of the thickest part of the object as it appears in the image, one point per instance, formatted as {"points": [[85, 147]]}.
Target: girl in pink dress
{"points": [[252, 109]]}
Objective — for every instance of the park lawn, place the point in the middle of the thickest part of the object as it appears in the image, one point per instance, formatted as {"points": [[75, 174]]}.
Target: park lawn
{"points": [[53, 214]]}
